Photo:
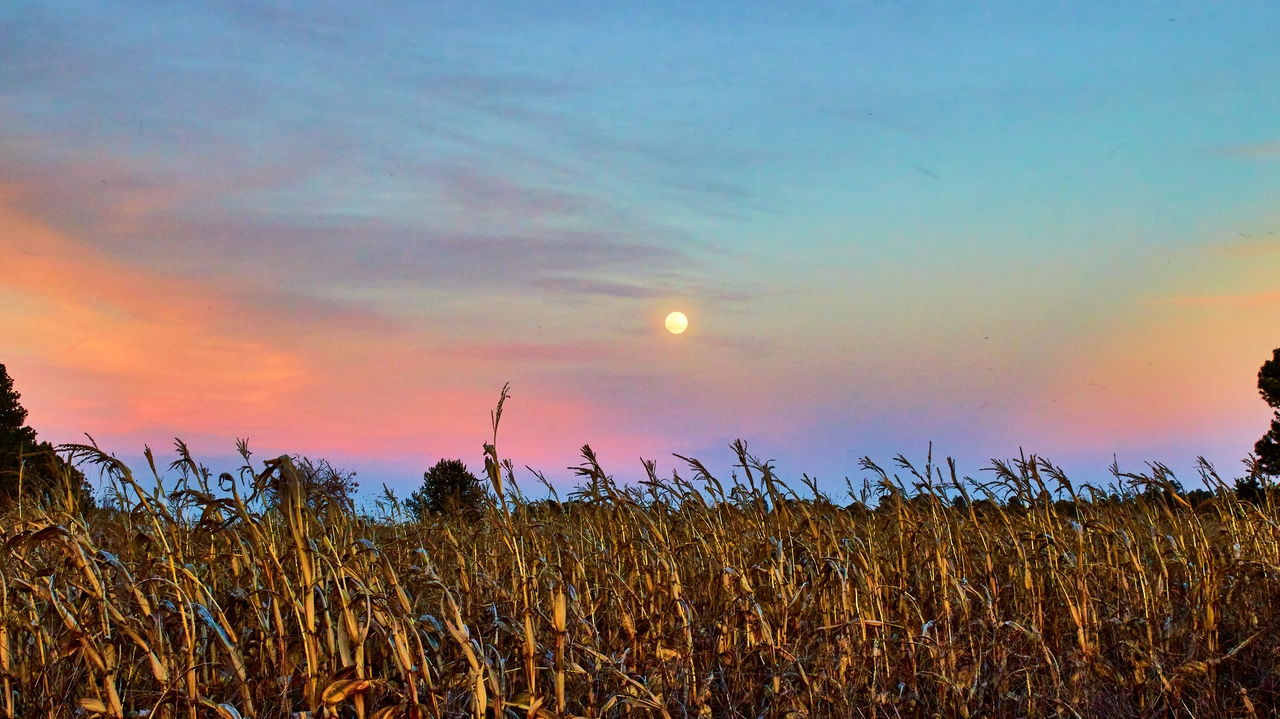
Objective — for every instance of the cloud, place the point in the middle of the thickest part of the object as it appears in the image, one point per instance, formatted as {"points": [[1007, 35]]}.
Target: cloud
{"points": [[489, 232], [607, 288], [564, 352], [675, 287], [143, 340], [135, 352], [287, 164], [134, 355], [426, 257]]}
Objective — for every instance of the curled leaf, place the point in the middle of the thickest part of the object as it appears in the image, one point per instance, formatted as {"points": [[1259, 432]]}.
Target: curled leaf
{"points": [[337, 692]]}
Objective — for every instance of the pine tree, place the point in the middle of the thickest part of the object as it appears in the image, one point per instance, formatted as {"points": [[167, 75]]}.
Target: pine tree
{"points": [[15, 435], [27, 465], [1267, 449]]}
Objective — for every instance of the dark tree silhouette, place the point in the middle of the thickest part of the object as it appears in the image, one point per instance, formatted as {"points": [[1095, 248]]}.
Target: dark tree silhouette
{"points": [[1269, 380], [14, 432], [1268, 448], [26, 465], [446, 487]]}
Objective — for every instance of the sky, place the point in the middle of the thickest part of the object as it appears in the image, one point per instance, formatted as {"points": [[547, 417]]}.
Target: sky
{"points": [[337, 229]]}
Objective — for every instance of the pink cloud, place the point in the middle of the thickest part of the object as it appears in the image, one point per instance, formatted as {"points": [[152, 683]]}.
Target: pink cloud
{"points": [[132, 355]]}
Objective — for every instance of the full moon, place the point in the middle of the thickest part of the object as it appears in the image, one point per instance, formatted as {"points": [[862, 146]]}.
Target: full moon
{"points": [[677, 323]]}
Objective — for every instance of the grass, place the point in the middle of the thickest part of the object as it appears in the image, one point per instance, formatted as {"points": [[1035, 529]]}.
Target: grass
{"points": [[683, 597]]}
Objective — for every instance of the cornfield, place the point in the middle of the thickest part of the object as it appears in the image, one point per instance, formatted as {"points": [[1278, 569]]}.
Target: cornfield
{"points": [[689, 596]]}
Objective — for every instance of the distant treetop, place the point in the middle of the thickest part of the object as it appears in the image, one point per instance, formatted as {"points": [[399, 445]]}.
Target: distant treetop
{"points": [[446, 487]]}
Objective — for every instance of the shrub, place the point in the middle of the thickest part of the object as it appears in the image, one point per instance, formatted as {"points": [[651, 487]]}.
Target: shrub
{"points": [[447, 487]]}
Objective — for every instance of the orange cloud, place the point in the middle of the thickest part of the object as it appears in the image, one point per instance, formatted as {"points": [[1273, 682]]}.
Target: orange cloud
{"points": [[142, 340], [133, 355]]}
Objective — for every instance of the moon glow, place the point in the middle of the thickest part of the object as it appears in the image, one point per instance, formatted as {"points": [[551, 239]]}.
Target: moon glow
{"points": [[677, 323]]}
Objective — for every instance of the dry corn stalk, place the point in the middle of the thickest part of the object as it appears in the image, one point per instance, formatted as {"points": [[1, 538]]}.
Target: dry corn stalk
{"points": [[739, 599]]}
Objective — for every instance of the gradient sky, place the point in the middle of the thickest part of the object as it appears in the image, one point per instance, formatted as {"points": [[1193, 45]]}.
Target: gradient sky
{"points": [[338, 228]]}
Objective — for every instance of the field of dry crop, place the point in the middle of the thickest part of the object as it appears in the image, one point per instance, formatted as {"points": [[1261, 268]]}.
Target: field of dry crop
{"points": [[688, 596]]}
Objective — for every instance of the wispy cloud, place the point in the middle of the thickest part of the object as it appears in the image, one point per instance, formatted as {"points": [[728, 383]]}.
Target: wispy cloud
{"points": [[144, 339], [608, 288], [563, 352], [349, 226], [135, 355], [672, 287], [483, 231]]}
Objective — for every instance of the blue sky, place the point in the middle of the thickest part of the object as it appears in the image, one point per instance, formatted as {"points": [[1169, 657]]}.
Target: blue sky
{"points": [[339, 229]]}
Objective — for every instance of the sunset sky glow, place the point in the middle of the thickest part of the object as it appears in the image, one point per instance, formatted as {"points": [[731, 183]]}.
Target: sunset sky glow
{"points": [[338, 228]]}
